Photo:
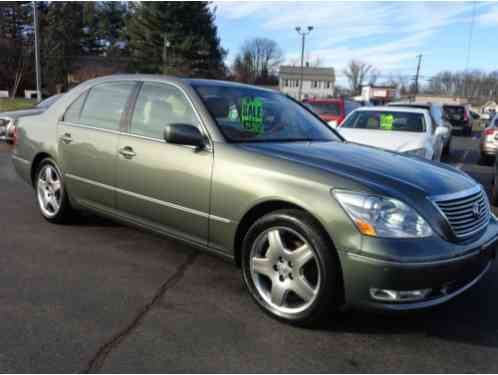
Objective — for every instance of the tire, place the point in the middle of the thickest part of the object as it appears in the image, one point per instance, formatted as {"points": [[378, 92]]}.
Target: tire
{"points": [[272, 273], [51, 194], [467, 131]]}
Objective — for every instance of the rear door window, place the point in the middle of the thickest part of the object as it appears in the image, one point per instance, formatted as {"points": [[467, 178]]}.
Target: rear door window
{"points": [[73, 112], [106, 104]]}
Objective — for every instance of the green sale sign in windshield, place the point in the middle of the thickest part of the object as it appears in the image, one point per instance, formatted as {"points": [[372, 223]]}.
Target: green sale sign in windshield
{"points": [[252, 115]]}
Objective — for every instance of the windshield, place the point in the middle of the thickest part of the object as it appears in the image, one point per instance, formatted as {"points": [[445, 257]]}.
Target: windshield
{"points": [[386, 120], [49, 101], [455, 112], [330, 109], [246, 114]]}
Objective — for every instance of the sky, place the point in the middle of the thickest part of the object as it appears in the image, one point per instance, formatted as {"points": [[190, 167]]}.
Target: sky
{"points": [[387, 35]]}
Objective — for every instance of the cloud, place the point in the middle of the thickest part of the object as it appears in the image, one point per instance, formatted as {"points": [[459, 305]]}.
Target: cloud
{"points": [[388, 35], [490, 18]]}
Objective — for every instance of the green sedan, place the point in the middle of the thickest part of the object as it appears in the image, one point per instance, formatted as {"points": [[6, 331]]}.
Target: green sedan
{"points": [[313, 221]]}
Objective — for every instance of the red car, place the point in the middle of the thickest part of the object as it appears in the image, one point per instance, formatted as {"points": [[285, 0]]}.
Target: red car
{"points": [[332, 111]]}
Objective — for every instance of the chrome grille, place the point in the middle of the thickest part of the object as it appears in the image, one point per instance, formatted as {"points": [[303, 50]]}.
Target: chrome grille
{"points": [[467, 213]]}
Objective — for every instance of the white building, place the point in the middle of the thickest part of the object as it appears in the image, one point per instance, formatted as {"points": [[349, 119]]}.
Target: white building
{"points": [[317, 82]]}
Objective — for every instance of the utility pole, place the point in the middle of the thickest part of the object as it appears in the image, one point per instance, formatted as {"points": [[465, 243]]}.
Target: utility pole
{"points": [[37, 53], [418, 72], [303, 37]]}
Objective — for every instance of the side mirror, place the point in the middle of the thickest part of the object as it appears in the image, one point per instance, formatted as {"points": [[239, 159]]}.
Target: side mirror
{"points": [[441, 131], [183, 134]]}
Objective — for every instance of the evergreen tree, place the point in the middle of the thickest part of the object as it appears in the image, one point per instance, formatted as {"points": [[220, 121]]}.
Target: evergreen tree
{"points": [[175, 38], [62, 41]]}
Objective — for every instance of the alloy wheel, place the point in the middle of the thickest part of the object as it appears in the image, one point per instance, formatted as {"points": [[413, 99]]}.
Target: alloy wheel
{"points": [[285, 270], [49, 191]]}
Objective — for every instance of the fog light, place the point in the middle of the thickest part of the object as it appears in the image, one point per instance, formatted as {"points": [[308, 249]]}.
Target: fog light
{"points": [[399, 295]]}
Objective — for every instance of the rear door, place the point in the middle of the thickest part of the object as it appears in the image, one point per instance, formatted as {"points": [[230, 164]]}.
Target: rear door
{"points": [[88, 142], [161, 185]]}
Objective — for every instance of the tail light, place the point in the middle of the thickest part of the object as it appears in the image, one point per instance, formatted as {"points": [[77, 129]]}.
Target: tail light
{"points": [[465, 116], [14, 134], [489, 131], [340, 120]]}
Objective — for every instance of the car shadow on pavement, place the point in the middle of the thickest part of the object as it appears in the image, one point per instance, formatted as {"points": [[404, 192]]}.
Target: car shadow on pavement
{"points": [[88, 219], [471, 318]]}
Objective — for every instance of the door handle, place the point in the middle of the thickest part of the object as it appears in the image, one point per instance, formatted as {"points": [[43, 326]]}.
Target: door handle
{"points": [[66, 138], [127, 152]]}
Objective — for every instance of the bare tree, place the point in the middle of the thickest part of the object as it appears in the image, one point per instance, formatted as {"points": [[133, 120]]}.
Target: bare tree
{"points": [[258, 60], [373, 76], [356, 72]]}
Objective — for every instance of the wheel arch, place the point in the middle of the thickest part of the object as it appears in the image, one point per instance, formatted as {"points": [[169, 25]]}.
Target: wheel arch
{"points": [[36, 163], [263, 208]]}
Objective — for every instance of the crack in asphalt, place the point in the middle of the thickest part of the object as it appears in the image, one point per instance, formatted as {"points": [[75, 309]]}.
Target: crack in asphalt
{"points": [[97, 361]]}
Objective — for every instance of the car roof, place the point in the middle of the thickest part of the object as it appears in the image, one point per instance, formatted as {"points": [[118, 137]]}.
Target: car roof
{"points": [[172, 79], [412, 104], [393, 109]]}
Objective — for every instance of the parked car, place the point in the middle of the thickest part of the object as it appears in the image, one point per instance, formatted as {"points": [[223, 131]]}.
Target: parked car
{"points": [[250, 174], [407, 130], [437, 117], [8, 119], [459, 116], [488, 143], [332, 111]]}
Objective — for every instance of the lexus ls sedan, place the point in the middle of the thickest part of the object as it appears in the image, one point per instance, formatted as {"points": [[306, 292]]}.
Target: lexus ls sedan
{"points": [[313, 221]]}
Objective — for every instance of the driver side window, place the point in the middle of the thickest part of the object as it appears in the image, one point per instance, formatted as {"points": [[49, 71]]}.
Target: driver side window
{"points": [[157, 106]]}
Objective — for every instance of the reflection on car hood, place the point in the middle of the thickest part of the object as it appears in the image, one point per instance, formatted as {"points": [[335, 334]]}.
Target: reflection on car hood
{"points": [[389, 140], [22, 113], [380, 169]]}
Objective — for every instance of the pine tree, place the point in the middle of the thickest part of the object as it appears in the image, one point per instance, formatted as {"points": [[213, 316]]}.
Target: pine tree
{"points": [[177, 38]]}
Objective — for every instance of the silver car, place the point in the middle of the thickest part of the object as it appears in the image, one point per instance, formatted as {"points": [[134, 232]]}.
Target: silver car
{"points": [[488, 143], [8, 119]]}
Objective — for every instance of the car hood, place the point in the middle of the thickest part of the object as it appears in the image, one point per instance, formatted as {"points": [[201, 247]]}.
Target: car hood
{"points": [[381, 170], [389, 140], [22, 113]]}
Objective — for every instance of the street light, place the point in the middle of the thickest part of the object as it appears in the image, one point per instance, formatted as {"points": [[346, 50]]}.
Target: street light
{"points": [[303, 34]]}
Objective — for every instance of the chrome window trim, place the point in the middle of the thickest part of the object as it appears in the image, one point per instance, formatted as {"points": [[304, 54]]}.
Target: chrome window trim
{"points": [[84, 126], [149, 199]]}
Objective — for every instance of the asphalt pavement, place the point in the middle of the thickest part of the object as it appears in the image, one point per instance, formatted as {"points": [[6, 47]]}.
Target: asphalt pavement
{"points": [[97, 296]]}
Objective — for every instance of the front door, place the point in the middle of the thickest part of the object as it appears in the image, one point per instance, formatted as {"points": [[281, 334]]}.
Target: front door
{"points": [[88, 143], [161, 185]]}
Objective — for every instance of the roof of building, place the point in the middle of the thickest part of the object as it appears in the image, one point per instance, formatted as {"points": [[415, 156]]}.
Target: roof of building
{"points": [[325, 74]]}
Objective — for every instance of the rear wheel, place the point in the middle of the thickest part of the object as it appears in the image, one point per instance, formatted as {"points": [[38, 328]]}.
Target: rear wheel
{"points": [[290, 269], [51, 194]]}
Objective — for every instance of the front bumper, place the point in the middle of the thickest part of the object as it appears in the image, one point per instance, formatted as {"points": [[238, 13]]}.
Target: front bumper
{"points": [[445, 277]]}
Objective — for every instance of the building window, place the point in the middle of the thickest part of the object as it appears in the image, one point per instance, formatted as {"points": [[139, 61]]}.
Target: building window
{"points": [[286, 83]]}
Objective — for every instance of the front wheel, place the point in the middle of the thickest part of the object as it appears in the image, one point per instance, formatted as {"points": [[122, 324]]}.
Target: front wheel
{"points": [[51, 194], [290, 268]]}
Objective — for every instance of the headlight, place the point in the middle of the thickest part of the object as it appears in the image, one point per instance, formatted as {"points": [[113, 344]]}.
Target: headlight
{"points": [[379, 216], [416, 152], [333, 123]]}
